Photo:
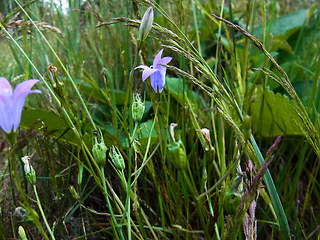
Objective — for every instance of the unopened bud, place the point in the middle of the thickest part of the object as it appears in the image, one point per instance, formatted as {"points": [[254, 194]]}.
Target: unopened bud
{"points": [[22, 233], [206, 134], [57, 85], [137, 108], [99, 151], [117, 158], [177, 154], [145, 26], [73, 192], [29, 171]]}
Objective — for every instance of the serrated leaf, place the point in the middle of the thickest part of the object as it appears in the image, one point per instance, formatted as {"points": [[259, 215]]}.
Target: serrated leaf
{"points": [[274, 114]]}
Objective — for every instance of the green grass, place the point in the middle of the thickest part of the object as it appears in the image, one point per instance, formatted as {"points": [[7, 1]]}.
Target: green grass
{"points": [[249, 73]]}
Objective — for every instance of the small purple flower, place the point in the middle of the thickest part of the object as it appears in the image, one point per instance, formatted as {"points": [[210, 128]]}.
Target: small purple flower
{"points": [[157, 72], [12, 102]]}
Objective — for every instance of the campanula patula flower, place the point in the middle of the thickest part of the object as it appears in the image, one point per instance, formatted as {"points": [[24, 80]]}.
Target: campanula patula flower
{"points": [[157, 72]]}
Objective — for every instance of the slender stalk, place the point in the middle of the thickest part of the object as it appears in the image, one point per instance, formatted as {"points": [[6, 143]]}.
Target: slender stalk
{"points": [[118, 228], [42, 213]]}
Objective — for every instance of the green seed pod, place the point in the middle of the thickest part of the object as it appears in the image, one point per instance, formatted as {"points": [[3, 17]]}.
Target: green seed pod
{"points": [[145, 26], [137, 108], [117, 158], [177, 155], [31, 176], [99, 151]]}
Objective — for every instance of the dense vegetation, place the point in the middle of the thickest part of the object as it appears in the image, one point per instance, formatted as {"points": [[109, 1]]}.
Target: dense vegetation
{"points": [[228, 149]]}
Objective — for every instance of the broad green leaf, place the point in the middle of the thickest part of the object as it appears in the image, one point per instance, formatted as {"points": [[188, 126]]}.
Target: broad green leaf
{"points": [[285, 25], [145, 129], [143, 133], [48, 122], [274, 114], [55, 126]]}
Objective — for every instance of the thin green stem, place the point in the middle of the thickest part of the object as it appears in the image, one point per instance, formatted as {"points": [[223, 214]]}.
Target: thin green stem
{"points": [[109, 204], [134, 132], [42, 213]]}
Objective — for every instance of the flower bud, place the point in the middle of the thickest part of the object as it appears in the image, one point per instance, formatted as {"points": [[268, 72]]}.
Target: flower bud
{"points": [[73, 192], [137, 108], [22, 233], [117, 158], [177, 154], [57, 85], [29, 171], [145, 26], [206, 134], [99, 151]]}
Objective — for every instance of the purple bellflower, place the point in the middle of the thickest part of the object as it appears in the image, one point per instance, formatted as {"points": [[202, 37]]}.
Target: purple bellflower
{"points": [[12, 102], [157, 72]]}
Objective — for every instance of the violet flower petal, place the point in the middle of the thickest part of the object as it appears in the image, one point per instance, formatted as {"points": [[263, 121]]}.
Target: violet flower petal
{"points": [[11, 103], [157, 58], [157, 72], [5, 87], [147, 71], [161, 68], [157, 81], [20, 93], [165, 60], [5, 122], [5, 105]]}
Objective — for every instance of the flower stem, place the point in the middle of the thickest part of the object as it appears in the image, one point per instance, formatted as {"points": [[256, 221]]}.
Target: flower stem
{"points": [[109, 204], [42, 213], [134, 132]]}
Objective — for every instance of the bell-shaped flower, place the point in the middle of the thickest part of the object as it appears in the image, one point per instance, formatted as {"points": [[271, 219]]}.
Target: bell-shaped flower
{"points": [[12, 102], [157, 72]]}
